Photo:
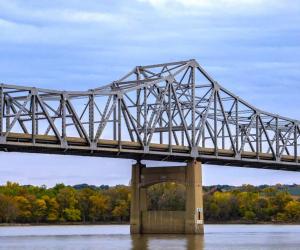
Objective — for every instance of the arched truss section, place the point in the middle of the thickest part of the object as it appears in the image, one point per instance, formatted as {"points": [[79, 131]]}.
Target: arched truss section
{"points": [[172, 111]]}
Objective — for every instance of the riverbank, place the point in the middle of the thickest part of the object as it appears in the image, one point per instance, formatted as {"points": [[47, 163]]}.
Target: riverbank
{"points": [[64, 224], [237, 222], [127, 223]]}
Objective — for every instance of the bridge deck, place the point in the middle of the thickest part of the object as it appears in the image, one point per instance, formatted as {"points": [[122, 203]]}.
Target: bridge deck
{"points": [[20, 142]]}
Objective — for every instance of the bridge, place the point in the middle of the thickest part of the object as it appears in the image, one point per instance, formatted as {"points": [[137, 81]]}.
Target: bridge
{"points": [[167, 112]]}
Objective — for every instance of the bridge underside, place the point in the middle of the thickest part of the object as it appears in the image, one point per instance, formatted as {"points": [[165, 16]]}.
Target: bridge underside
{"points": [[17, 142]]}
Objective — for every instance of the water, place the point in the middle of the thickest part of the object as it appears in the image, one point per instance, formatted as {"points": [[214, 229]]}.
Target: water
{"points": [[239, 237]]}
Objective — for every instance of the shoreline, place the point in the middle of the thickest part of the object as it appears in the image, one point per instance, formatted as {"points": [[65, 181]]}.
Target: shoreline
{"points": [[251, 223], [127, 223], [64, 224]]}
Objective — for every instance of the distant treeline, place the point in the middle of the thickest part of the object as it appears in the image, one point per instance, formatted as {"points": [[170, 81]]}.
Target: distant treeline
{"points": [[96, 204], [81, 203]]}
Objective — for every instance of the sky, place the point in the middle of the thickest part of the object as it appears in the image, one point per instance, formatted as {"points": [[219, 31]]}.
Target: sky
{"points": [[251, 47]]}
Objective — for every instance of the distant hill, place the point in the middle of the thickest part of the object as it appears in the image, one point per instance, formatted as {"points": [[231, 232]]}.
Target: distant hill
{"points": [[84, 185], [293, 189]]}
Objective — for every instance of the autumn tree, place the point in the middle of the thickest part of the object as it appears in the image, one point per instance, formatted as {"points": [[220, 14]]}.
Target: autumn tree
{"points": [[99, 207], [84, 202], [8, 208], [39, 210], [121, 210], [52, 213], [292, 211], [67, 201], [24, 209]]}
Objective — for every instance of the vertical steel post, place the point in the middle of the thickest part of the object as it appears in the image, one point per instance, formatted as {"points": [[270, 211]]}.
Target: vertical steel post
{"points": [[7, 112], [260, 140], [203, 137], [215, 123], [33, 112], [295, 143], [37, 120], [63, 117], [91, 117], [119, 122], [170, 116], [257, 137], [237, 125], [1, 109], [242, 138], [160, 133], [193, 106], [138, 102], [115, 120], [277, 139], [145, 116], [223, 135]]}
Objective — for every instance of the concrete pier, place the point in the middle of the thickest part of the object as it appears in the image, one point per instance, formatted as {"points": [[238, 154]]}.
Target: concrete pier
{"points": [[189, 221]]}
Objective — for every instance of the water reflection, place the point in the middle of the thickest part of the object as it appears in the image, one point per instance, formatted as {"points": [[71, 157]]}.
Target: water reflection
{"points": [[148, 242], [116, 237]]}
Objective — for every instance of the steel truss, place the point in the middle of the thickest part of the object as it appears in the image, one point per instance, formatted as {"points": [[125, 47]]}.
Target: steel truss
{"points": [[172, 111]]}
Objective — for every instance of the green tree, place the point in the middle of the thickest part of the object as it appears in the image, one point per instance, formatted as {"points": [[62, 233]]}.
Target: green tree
{"points": [[11, 189], [281, 217], [212, 211], [39, 210], [99, 207], [249, 216], [262, 209], [224, 201], [72, 214], [84, 202], [292, 211], [279, 201], [24, 209], [66, 198], [121, 211], [247, 202], [8, 208], [52, 213]]}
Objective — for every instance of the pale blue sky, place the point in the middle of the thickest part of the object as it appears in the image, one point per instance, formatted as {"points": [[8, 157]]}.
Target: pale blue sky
{"points": [[249, 46]]}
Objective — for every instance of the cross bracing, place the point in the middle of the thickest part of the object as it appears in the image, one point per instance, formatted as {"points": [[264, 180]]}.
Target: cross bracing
{"points": [[172, 111]]}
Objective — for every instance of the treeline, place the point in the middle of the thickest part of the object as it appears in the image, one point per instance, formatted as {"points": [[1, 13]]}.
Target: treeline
{"points": [[32, 204], [91, 204], [252, 204]]}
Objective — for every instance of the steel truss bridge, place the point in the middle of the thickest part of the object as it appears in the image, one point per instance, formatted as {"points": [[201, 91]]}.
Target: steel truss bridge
{"points": [[173, 112]]}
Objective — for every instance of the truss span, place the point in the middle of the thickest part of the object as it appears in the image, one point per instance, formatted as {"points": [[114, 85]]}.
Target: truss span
{"points": [[172, 111]]}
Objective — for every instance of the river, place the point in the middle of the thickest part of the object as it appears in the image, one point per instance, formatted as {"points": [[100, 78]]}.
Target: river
{"points": [[111, 237]]}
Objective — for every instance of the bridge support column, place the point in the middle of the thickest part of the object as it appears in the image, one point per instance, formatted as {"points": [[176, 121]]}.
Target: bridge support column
{"points": [[138, 197], [189, 221], [194, 199]]}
